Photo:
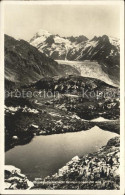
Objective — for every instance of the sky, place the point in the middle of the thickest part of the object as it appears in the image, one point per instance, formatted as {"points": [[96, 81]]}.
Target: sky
{"points": [[23, 21]]}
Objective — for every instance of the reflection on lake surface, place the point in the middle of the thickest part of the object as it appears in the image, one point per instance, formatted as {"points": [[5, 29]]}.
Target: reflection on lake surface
{"points": [[44, 155]]}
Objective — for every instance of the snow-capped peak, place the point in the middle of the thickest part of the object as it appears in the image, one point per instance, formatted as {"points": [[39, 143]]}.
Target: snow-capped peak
{"points": [[40, 37], [42, 32], [75, 48]]}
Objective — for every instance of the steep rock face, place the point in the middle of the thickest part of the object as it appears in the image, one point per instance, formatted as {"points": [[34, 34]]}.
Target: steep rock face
{"points": [[24, 64], [96, 49], [104, 50]]}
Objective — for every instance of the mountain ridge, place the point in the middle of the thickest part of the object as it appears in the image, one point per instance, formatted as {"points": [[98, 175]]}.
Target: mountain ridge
{"points": [[25, 64], [40, 37], [103, 49]]}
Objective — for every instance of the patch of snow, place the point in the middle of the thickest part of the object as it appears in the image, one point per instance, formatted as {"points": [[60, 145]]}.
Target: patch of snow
{"points": [[12, 109], [90, 44], [70, 95], [58, 39], [54, 114], [100, 119], [26, 109], [15, 137], [33, 111], [35, 126], [38, 40]]}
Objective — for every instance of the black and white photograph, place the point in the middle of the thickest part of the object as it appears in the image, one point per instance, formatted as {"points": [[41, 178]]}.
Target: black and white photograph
{"points": [[63, 77]]}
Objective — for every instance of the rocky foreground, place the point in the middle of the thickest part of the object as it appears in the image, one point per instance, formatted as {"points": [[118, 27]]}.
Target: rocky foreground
{"points": [[98, 170], [14, 179]]}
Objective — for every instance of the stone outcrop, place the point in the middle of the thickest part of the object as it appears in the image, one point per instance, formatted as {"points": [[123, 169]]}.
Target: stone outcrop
{"points": [[14, 179]]}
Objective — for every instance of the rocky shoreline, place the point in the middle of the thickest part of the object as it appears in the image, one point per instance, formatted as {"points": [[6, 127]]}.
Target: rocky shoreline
{"points": [[98, 170], [59, 127]]}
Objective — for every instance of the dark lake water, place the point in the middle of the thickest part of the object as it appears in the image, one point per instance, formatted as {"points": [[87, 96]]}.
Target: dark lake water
{"points": [[44, 155]]}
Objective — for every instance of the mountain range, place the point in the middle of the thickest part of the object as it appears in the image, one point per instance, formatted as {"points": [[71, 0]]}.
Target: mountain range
{"points": [[103, 49], [75, 48], [69, 84], [48, 55]]}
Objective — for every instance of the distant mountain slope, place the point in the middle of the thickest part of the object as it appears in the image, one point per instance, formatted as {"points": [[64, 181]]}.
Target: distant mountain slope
{"points": [[77, 48], [24, 64], [103, 49]]}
